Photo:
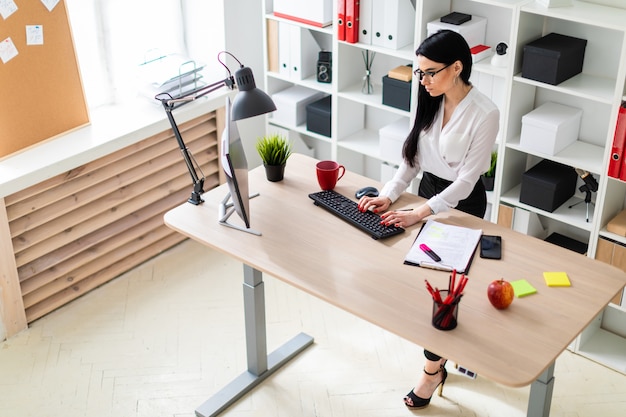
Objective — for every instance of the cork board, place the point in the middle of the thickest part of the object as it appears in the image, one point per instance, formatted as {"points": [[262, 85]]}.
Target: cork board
{"points": [[40, 86]]}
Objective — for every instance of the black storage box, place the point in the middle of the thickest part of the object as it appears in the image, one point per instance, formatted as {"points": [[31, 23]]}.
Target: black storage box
{"points": [[396, 93], [567, 243], [547, 185], [318, 116], [553, 58]]}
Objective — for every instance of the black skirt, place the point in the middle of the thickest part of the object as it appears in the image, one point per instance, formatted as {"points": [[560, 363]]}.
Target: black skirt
{"points": [[475, 204]]}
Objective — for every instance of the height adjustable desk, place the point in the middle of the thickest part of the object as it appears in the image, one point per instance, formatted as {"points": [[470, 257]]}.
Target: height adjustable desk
{"points": [[309, 248]]}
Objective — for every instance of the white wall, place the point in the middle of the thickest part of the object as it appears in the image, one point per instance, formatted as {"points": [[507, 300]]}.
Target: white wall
{"points": [[243, 38]]}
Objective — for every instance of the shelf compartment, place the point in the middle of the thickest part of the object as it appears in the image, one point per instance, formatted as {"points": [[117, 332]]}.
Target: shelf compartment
{"points": [[353, 93], [588, 151], [603, 346], [601, 65], [310, 82], [405, 53], [328, 30], [574, 216], [365, 141], [485, 67], [301, 129], [582, 12], [606, 234], [589, 87], [351, 69], [359, 130], [578, 155]]}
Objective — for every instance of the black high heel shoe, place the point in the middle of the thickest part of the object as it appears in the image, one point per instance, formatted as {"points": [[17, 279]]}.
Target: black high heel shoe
{"points": [[418, 402]]}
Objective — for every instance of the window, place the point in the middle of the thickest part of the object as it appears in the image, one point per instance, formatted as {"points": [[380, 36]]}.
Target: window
{"points": [[112, 37]]}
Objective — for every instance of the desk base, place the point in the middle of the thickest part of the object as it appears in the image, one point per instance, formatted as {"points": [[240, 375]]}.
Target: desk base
{"points": [[245, 382], [541, 394]]}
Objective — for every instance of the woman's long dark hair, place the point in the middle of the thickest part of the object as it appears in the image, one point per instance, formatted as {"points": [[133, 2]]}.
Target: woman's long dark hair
{"points": [[446, 47]]}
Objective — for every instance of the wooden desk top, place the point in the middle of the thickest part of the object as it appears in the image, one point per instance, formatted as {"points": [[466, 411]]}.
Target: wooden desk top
{"points": [[311, 249]]}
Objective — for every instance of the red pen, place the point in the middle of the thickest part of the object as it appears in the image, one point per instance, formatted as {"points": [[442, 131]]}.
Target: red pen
{"points": [[452, 281], [430, 288]]}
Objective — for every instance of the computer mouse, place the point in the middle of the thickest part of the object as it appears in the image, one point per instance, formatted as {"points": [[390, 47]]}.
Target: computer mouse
{"points": [[368, 191]]}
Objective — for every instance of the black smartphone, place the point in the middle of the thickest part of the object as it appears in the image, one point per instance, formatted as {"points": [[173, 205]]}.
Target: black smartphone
{"points": [[490, 247]]}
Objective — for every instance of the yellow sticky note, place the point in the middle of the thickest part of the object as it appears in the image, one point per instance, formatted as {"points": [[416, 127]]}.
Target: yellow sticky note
{"points": [[556, 279]]}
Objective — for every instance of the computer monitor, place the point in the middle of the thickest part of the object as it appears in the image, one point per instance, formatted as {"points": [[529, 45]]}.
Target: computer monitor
{"points": [[235, 166]]}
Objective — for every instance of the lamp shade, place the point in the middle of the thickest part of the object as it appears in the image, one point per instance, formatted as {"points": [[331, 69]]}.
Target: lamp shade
{"points": [[250, 101]]}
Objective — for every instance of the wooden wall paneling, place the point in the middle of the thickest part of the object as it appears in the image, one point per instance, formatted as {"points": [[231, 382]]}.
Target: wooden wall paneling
{"points": [[614, 254], [505, 215], [74, 226], [105, 207], [83, 188], [92, 185], [90, 245], [85, 176], [619, 260], [11, 304], [74, 279], [63, 261], [78, 230], [106, 274], [117, 200], [604, 251]]}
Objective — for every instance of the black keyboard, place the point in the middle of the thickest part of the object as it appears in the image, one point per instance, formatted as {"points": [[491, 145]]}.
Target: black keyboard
{"points": [[348, 210]]}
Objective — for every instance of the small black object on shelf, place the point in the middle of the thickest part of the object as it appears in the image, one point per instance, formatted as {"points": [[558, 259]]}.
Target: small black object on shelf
{"points": [[590, 186], [456, 18], [567, 243]]}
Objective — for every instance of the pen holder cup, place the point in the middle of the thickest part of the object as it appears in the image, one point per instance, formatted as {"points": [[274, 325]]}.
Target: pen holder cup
{"points": [[445, 315]]}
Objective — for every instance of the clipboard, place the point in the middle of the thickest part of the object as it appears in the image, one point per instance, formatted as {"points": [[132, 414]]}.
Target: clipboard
{"points": [[455, 245]]}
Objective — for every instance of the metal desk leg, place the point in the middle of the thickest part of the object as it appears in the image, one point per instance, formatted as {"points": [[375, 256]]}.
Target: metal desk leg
{"points": [[541, 394], [260, 364]]}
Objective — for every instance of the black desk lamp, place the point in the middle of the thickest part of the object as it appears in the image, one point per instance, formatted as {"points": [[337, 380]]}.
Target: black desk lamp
{"points": [[249, 102]]}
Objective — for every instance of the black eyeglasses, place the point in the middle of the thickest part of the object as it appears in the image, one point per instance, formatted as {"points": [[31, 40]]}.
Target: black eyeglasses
{"points": [[430, 74]]}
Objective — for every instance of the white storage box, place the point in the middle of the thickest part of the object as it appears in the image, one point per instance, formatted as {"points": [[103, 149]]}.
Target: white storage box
{"points": [[291, 105], [550, 128], [473, 30], [387, 172], [392, 139], [313, 12]]}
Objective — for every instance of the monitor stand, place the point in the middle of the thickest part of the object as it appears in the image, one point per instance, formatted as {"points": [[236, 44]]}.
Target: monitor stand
{"points": [[227, 209]]}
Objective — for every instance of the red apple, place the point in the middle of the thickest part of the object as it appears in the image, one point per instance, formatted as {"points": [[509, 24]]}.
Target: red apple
{"points": [[500, 293]]}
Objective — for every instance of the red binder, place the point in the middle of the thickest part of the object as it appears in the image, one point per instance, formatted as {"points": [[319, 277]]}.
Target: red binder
{"points": [[341, 20], [352, 21], [616, 169]]}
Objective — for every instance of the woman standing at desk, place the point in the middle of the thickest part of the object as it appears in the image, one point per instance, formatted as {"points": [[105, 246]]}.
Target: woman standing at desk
{"points": [[451, 141]]}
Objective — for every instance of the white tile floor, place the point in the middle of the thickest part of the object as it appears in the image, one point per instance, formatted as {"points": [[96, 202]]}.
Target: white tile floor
{"points": [[161, 339]]}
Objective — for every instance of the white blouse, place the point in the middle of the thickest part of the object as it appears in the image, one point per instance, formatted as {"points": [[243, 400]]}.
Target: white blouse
{"points": [[459, 152]]}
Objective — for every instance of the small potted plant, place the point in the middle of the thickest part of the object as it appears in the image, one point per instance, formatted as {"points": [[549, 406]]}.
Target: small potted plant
{"points": [[489, 176], [274, 151]]}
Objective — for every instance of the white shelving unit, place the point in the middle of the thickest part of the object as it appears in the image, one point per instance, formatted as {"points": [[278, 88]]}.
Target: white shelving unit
{"points": [[598, 91]]}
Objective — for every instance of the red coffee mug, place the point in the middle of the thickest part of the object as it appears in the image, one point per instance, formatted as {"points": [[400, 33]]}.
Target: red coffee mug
{"points": [[328, 173]]}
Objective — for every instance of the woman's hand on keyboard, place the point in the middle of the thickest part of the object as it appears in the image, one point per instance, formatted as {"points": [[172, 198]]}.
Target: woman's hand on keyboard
{"points": [[375, 204], [405, 218]]}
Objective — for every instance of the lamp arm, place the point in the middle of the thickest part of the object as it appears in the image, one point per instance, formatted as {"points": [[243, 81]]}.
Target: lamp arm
{"points": [[198, 182], [257, 103], [173, 103], [169, 104]]}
